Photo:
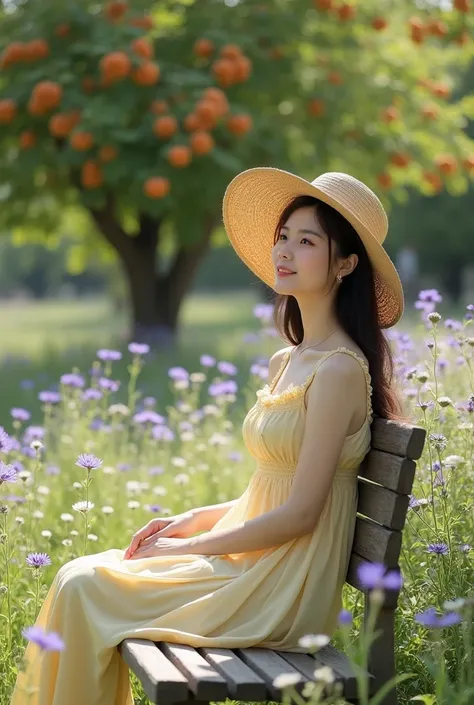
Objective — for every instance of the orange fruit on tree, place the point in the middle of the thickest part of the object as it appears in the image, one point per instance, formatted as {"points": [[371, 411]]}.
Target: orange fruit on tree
{"points": [[323, 5], [438, 28], [165, 127], [379, 23], [433, 179], [47, 95], [239, 124], [62, 30], [230, 51], [430, 112], [417, 29], [157, 187], [336, 78], [316, 107], [384, 180], [179, 156], [224, 71], [81, 140], [191, 122], [390, 114], [468, 162], [462, 38], [147, 74], [201, 142], [462, 5], [8, 110], [145, 22], [108, 153], [27, 139], [446, 163], [61, 124], [219, 98], [346, 12], [115, 66], [441, 89], [159, 107], [142, 47], [91, 174], [203, 47], [116, 9], [36, 49], [400, 159], [14, 52], [242, 69]]}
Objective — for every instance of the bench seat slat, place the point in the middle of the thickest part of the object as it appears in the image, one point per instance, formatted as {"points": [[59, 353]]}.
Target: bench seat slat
{"points": [[203, 680], [339, 663], [162, 682], [269, 664], [243, 684], [397, 438], [382, 505], [376, 543]]}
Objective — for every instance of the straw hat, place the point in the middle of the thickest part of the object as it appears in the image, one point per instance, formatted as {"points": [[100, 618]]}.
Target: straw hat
{"points": [[255, 199]]}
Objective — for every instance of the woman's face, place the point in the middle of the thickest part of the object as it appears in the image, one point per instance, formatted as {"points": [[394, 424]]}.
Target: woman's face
{"points": [[302, 247]]}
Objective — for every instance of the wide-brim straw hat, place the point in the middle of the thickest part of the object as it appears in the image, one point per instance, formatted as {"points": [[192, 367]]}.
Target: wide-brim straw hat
{"points": [[253, 203]]}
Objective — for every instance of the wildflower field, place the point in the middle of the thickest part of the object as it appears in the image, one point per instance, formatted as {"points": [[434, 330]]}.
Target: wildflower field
{"points": [[97, 454]]}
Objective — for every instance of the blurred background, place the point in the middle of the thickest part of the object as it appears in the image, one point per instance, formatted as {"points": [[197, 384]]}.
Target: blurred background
{"points": [[122, 123]]}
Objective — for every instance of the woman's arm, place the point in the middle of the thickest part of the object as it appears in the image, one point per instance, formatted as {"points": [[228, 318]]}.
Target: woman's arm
{"points": [[207, 517]]}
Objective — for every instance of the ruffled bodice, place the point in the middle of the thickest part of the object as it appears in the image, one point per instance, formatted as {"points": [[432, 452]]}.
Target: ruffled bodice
{"points": [[273, 428]]}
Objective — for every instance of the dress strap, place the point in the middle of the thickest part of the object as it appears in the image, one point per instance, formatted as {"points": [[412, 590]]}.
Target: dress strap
{"points": [[284, 360], [365, 368]]}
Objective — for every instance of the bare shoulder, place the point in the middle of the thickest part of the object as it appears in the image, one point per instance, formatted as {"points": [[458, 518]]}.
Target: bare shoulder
{"points": [[341, 378]]}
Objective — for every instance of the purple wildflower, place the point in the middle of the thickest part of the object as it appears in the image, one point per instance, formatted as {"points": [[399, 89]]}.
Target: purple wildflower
{"points": [[178, 373], [110, 385], [92, 394], [229, 386], [47, 641], [38, 560], [149, 402], [430, 619], [72, 380], [96, 424], [139, 348], [345, 617], [7, 473], [148, 416], [441, 549], [155, 508], [372, 576], [162, 433], [109, 355], [5, 441], [431, 295], [33, 433], [53, 470], [236, 456], [27, 384], [263, 312], [156, 470], [207, 361], [20, 414], [465, 548], [49, 397], [227, 368], [88, 461]]}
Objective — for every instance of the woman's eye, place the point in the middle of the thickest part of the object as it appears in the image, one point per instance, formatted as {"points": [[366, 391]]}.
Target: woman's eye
{"points": [[305, 238]]}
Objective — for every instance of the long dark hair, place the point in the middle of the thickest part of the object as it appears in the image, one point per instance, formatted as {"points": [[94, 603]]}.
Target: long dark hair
{"points": [[356, 305]]}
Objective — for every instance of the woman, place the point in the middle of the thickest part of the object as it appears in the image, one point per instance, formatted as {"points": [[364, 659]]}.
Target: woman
{"points": [[271, 566]]}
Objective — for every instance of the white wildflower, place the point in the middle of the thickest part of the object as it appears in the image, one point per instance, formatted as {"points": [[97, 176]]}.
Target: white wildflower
{"points": [[19, 520], [181, 384], [108, 470], [284, 680], [120, 409], [92, 537], [314, 641], [197, 377], [445, 401], [133, 504], [325, 674], [46, 533], [36, 445], [42, 489], [66, 542], [160, 490], [178, 462], [187, 436], [77, 485], [181, 479], [106, 509], [83, 506], [211, 410], [74, 532], [38, 514], [67, 517]]}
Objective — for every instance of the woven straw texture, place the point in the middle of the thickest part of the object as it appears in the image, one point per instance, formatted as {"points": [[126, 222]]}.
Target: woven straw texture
{"points": [[255, 199]]}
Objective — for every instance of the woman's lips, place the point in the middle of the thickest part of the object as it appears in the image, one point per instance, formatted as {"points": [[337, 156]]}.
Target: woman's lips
{"points": [[285, 274]]}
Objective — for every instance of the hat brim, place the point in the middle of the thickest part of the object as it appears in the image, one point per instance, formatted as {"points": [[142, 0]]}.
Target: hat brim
{"points": [[252, 205]]}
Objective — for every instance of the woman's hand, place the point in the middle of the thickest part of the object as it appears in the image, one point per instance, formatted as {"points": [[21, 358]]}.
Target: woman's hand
{"points": [[162, 547], [179, 526]]}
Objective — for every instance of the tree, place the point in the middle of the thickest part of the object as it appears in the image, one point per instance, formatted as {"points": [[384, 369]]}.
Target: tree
{"points": [[143, 119]]}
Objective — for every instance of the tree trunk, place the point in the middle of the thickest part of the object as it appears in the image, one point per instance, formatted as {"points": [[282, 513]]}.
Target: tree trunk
{"points": [[155, 299]]}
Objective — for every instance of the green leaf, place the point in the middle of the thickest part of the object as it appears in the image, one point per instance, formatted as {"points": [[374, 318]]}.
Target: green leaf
{"points": [[226, 160]]}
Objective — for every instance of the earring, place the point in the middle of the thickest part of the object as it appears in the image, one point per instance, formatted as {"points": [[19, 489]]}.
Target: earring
{"points": [[339, 278]]}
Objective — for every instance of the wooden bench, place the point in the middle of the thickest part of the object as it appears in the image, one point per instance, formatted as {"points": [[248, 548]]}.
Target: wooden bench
{"points": [[175, 673]]}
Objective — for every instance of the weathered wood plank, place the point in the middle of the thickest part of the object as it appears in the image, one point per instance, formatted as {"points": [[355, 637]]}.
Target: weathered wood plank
{"points": [[382, 505], [268, 665], [242, 682], [340, 664], [161, 681], [203, 680], [398, 438], [376, 543], [392, 471]]}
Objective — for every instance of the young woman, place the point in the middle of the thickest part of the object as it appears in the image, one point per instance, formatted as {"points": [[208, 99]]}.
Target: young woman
{"points": [[270, 565]]}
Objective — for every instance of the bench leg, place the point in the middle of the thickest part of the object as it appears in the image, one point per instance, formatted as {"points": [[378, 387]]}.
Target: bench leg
{"points": [[382, 654]]}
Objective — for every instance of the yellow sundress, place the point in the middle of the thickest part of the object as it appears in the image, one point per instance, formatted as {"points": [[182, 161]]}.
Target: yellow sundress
{"points": [[268, 598]]}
